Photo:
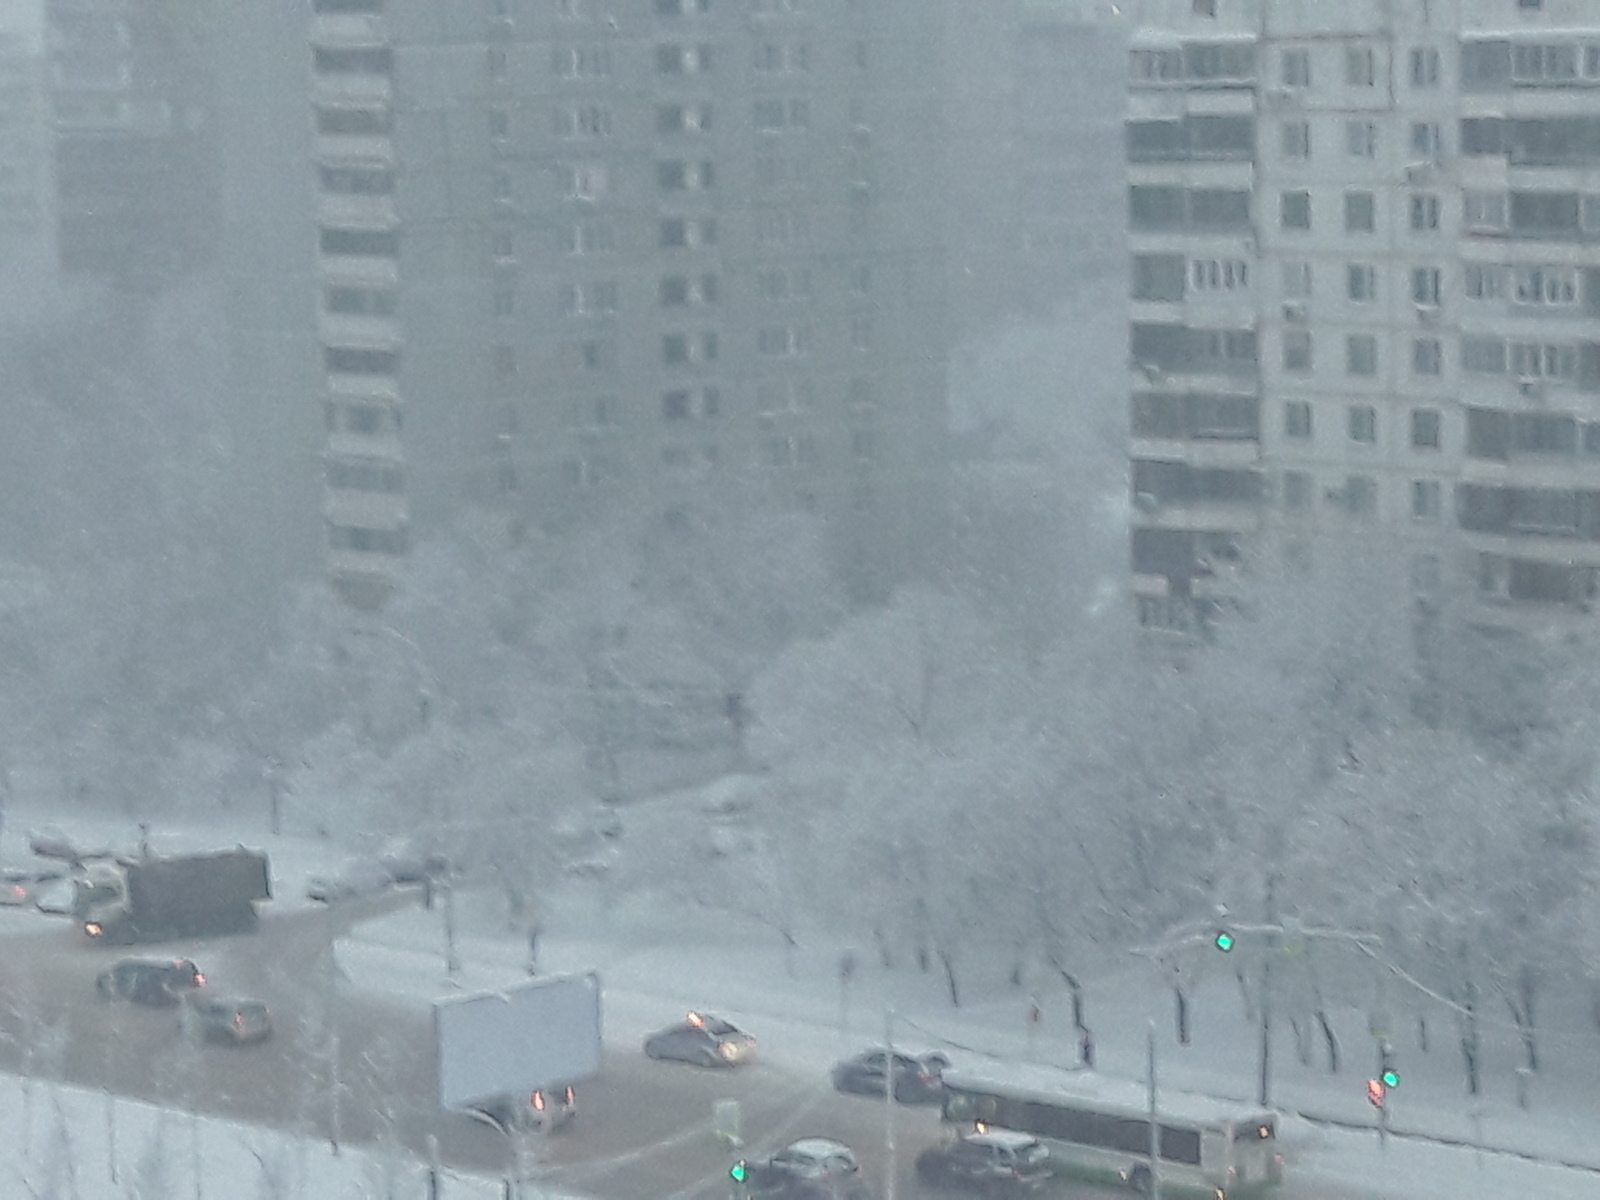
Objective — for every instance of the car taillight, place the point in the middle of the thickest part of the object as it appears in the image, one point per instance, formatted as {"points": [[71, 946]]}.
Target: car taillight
{"points": [[569, 1095], [93, 929], [538, 1102], [238, 1020], [199, 979], [19, 891]]}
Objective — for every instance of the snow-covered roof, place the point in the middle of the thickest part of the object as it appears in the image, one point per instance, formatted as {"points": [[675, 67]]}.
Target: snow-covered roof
{"points": [[1128, 1097]]}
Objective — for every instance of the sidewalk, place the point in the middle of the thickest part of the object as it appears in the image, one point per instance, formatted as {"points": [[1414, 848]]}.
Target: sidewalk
{"points": [[797, 1007]]}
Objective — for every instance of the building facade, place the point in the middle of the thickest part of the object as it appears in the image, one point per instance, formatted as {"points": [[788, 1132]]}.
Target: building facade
{"points": [[575, 253], [1365, 295], [27, 205]]}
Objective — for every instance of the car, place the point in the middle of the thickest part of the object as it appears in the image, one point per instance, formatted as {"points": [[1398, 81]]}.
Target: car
{"points": [[996, 1162], [21, 886], [702, 1039], [152, 981], [811, 1169], [543, 1110], [358, 877], [232, 1019], [917, 1078]]}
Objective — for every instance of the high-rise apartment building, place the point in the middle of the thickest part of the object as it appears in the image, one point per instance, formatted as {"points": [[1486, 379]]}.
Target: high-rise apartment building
{"points": [[136, 166], [669, 252], [1365, 294]]}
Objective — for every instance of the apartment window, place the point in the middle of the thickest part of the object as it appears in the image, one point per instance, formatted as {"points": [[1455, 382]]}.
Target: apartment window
{"points": [[1297, 419], [1360, 354], [1205, 8], [1425, 429], [1426, 285], [1297, 281], [1296, 68], [1296, 490], [1483, 355], [1295, 210], [1363, 424], [1297, 350], [583, 121], [1361, 282], [1427, 356], [1226, 274], [1484, 212], [681, 232], [1543, 360], [1425, 504], [1360, 495], [1424, 67], [1360, 212], [1427, 139], [1360, 66], [1295, 139], [1361, 139], [590, 237], [593, 298], [782, 340], [1545, 286], [1424, 211], [586, 181], [1484, 281]]}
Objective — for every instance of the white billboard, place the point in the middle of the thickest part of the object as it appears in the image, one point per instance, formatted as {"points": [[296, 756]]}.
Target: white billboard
{"points": [[534, 1035]]}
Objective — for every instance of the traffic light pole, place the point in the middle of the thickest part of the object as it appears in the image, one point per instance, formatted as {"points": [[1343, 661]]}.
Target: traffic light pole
{"points": [[1264, 1079]]}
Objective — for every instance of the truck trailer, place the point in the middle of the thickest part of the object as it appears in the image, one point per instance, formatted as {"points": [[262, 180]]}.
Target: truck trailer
{"points": [[129, 900]]}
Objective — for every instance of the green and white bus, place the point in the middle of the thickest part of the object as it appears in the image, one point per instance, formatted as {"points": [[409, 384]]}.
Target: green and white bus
{"points": [[1098, 1129]]}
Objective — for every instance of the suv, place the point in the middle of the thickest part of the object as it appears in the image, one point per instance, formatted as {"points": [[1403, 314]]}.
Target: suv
{"points": [[997, 1162], [152, 981], [227, 1018], [810, 1169]]}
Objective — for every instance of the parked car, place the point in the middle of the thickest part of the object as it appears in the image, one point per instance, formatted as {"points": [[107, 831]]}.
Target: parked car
{"points": [[152, 981], [544, 1110], [232, 1019], [702, 1039], [810, 1169], [998, 1162], [917, 1078], [21, 886], [358, 877]]}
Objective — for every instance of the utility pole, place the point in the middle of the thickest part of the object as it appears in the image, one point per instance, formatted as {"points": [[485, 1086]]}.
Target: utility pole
{"points": [[1264, 1082], [1155, 1125]]}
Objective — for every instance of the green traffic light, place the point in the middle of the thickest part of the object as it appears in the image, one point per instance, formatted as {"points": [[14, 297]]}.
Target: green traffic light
{"points": [[1391, 1078], [1223, 941], [737, 1172]]}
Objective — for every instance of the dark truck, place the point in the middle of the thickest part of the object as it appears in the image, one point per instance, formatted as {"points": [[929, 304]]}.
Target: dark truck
{"points": [[128, 900]]}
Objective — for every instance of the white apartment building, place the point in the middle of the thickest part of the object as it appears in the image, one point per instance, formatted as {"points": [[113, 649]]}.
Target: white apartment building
{"points": [[1365, 294]]}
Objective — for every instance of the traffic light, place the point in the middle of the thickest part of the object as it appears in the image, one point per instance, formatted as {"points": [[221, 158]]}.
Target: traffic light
{"points": [[1222, 940], [739, 1171], [1386, 1068], [1376, 1092]]}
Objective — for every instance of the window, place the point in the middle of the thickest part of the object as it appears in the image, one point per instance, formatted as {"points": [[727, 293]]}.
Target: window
{"points": [[1425, 429], [1297, 281], [1297, 419], [1545, 285], [588, 299], [1424, 211], [586, 181], [1484, 281], [1205, 8], [683, 118], [1360, 212], [1484, 212], [1542, 360], [1296, 490], [1427, 356], [1361, 139], [1296, 68], [1212, 274], [1483, 355], [1360, 354], [1361, 282], [591, 237], [583, 121], [1426, 285], [1360, 66], [681, 232], [1297, 350], [1295, 139], [1427, 139], [1425, 504], [1363, 424], [1424, 67], [1295, 210], [1360, 495]]}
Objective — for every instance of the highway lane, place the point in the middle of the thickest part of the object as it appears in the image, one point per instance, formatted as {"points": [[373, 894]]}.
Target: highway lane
{"points": [[359, 1066]]}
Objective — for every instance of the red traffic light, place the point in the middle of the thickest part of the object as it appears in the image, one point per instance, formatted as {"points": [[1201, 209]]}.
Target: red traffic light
{"points": [[1376, 1092]]}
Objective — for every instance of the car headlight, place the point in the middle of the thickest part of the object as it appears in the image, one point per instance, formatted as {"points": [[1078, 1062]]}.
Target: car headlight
{"points": [[728, 1050]]}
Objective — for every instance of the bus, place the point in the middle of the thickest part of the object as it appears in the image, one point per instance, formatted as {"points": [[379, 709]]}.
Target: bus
{"points": [[1098, 1129]]}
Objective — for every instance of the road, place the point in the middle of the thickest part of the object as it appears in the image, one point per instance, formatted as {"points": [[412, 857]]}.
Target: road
{"points": [[644, 1130]]}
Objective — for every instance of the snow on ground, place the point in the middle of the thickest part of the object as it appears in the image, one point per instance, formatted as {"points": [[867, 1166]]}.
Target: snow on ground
{"points": [[656, 960]]}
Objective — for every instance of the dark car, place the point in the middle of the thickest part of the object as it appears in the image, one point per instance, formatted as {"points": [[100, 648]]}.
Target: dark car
{"points": [[153, 981], [231, 1019], [21, 885], [917, 1078], [704, 1040], [543, 1110], [997, 1162], [810, 1169]]}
